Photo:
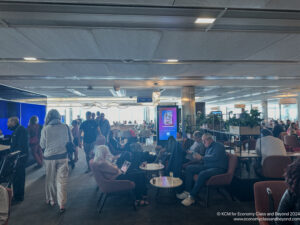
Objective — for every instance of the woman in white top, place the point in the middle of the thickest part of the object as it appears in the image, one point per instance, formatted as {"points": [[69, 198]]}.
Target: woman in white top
{"points": [[54, 137]]}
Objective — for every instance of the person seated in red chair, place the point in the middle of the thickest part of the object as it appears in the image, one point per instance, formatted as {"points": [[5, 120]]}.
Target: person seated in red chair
{"points": [[104, 159], [292, 130], [290, 201], [214, 162], [268, 145]]}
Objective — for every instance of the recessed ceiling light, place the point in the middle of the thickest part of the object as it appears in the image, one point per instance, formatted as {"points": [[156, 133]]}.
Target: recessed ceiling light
{"points": [[172, 60], [205, 20], [30, 58]]}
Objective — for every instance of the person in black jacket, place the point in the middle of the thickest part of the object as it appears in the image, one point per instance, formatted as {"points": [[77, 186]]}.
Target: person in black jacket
{"points": [[290, 201], [277, 129], [18, 142]]}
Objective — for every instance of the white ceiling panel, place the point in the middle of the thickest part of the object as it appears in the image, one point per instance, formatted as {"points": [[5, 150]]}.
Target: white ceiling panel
{"points": [[87, 69], [63, 43], [15, 45], [287, 48], [33, 69], [213, 45], [126, 43]]}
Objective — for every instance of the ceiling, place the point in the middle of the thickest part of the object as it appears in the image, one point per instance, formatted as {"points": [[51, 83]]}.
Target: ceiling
{"points": [[251, 52]]}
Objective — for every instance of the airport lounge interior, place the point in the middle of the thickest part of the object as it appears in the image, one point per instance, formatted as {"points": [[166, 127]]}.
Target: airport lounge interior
{"points": [[149, 112]]}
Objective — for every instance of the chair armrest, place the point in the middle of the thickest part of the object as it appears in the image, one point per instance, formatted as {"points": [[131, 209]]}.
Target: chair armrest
{"points": [[222, 179]]}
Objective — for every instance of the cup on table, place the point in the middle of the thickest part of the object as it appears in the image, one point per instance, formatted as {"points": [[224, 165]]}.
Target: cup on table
{"points": [[160, 173], [153, 178], [171, 174], [159, 162]]}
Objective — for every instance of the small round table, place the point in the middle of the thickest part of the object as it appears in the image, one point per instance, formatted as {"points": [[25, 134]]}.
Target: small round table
{"points": [[152, 167], [169, 183]]}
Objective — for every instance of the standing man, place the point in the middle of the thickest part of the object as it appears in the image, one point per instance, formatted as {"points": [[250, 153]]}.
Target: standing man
{"points": [[18, 142], [98, 116], [90, 132], [104, 126], [214, 162]]}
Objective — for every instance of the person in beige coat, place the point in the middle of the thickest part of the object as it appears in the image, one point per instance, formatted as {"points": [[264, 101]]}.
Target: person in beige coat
{"points": [[54, 138]]}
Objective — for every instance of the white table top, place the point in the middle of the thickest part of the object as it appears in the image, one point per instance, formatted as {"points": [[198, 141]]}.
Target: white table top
{"points": [[293, 154], [4, 147], [152, 167], [166, 182]]}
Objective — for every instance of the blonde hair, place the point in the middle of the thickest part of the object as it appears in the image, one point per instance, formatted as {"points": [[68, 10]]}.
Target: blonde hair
{"points": [[102, 153]]}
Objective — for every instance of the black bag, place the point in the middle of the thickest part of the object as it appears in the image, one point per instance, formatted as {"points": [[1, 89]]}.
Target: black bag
{"points": [[70, 146]]}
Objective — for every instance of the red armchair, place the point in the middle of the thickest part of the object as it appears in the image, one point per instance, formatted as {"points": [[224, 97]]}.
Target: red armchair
{"points": [[275, 166], [262, 200], [221, 180], [292, 143], [109, 187]]}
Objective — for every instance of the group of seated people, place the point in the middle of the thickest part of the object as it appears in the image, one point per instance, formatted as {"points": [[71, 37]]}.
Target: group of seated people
{"points": [[184, 159]]}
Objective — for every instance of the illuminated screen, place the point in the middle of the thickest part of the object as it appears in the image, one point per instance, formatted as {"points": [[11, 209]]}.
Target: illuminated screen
{"points": [[167, 122], [21, 110]]}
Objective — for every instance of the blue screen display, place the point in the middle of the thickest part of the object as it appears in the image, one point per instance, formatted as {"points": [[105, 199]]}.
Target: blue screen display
{"points": [[21, 110]]}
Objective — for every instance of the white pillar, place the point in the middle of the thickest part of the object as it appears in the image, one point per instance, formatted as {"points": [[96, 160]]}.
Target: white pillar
{"points": [[264, 105], [298, 107], [188, 105]]}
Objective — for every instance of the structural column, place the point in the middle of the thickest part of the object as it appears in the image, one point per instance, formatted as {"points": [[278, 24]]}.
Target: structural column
{"points": [[298, 107], [264, 105], [188, 111]]}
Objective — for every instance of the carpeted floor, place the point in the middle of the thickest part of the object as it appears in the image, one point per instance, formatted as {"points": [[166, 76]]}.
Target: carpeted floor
{"points": [[82, 199]]}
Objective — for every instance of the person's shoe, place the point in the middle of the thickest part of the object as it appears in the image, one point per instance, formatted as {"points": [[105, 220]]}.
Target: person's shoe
{"points": [[188, 201], [16, 201], [87, 171], [183, 195], [62, 210], [50, 202]]}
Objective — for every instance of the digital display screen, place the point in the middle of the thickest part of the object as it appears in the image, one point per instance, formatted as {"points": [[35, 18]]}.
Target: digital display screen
{"points": [[167, 122], [23, 111]]}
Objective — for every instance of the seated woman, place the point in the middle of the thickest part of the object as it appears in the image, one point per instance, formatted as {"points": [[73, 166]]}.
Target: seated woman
{"points": [[104, 158], [164, 153], [292, 130], [290, 201], [176, 159]]}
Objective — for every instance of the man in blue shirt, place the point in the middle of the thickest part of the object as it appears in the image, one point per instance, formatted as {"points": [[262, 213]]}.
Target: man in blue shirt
{"points": [[214, 162]]}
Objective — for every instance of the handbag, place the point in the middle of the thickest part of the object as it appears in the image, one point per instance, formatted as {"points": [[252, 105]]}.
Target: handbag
{"points": [[70, 145]]}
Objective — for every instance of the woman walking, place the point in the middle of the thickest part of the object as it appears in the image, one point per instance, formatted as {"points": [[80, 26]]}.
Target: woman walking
{"points": [[54, 138], [34, 131]]}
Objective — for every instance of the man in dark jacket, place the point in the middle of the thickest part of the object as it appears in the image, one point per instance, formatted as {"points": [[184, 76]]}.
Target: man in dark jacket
{"points": [[214, 162], [104, 126], [18, 142], [277, 129]]}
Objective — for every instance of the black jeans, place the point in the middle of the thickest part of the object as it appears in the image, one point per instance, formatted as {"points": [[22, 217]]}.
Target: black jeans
{"points": [[19, 179], [139, 178]]}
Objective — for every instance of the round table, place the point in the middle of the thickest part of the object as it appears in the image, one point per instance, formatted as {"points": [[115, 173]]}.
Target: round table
{"points": [[166, 183], [152, 167]]}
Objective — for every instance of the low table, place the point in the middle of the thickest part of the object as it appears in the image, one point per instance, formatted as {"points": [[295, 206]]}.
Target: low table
{"points": [[152, 167], [4, 147], [166, 183]]}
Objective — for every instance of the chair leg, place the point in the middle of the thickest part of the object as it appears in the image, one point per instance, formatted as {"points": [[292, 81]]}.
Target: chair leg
{"points": [[132, 198], [103, 202], [207, 197], [99, 200]]}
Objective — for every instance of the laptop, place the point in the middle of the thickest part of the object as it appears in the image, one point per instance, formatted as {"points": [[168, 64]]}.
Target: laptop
{"points": [[125, 166]]}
